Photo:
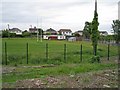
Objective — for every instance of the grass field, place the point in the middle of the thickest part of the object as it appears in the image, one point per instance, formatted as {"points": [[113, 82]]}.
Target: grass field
{"points": [[16, 51]]}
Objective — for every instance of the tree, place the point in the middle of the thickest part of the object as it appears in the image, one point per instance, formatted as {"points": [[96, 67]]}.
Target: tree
{"points": [[87, 30], [12, 34], [26, 34], [116, 29], [5, 33], [40, 31], [77, 35], [95, 32]]}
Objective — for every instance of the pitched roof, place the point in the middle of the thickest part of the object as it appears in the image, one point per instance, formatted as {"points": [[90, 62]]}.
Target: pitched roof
{"points": [[103, 31], [79, 31], [50, 30], [65, 30], [33, 29], [15, 29]]}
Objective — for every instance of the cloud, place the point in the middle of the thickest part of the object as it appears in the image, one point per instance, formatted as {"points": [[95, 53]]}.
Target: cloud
{"points": [[57, 13]]}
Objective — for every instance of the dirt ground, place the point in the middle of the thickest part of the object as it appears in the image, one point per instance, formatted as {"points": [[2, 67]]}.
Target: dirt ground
{"points": [[99, 79], [96, 79]]}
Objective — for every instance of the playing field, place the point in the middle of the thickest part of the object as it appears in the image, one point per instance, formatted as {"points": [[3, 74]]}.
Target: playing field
{"points": [[54, 53]]}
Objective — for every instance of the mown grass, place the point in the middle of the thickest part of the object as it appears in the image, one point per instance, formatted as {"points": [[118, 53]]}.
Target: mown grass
{"points": [[21, 73], [16, 50]]}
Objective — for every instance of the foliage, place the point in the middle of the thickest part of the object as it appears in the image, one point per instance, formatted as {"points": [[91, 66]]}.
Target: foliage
{"points": [[95, 59], [12, 34], [5, 33], [116, 29], [87, 30], [25, 34], [77, 35], [65, 69], [40, 31], [95, 33]]}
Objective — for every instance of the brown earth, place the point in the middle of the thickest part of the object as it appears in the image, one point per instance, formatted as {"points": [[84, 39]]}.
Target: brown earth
{"points": [[99, 79]]}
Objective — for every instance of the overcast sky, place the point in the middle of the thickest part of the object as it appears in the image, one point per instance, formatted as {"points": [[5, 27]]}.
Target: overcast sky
{"points": [[57, 14]]}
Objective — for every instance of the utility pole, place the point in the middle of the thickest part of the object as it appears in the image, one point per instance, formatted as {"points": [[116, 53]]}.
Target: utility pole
{"points": [[41, 30], [37, 29]]}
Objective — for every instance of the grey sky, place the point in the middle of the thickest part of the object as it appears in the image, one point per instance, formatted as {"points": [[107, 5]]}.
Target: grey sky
{"points": [[57, 14]]}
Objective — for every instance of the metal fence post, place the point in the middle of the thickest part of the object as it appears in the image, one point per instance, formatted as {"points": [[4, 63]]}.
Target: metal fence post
{"points": [[46, 51], [64, 51], [81, 53], [108, 51], [27, 52], [5, 53]]}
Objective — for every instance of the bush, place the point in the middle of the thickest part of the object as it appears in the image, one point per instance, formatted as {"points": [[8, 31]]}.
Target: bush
{"points": [[26, 34], [12, 34], [95, 59]]}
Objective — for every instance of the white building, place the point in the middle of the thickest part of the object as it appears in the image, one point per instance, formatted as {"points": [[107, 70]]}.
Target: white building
{"points": [[104, 33], [16, 31], [66, 32]]}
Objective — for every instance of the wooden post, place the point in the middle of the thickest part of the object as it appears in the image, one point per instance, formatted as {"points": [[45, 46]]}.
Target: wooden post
{"points": [[108, 51], [46, 51], [81, 53], [27, 52], [5, 53], [64, 51]]}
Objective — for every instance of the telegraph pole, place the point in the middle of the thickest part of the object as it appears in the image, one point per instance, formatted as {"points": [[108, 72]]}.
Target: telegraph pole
{"points": [[37, 29], [41, 30]]}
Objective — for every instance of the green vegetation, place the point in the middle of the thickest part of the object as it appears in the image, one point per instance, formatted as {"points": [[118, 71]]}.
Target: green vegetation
{"points": [[116, 29], [87, 30], [16, 51], [21, 73], [95, 33], [16, 48]]}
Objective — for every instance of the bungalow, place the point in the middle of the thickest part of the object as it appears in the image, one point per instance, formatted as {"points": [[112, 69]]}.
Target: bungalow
{"points": [[33, 30], [50, 32], [66, 32], [104, 33], [80, 32], [16, 31]]}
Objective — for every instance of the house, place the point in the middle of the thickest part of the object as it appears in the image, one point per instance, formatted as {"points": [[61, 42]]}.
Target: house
{"points": [[80, 32], [50, 32], [104, 33], [33, 30], [66, 32], [16, 31]]}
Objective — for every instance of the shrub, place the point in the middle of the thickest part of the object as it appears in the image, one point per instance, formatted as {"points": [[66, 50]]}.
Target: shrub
{"points": [[15, 65], [95, 59], [100, 49]]}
